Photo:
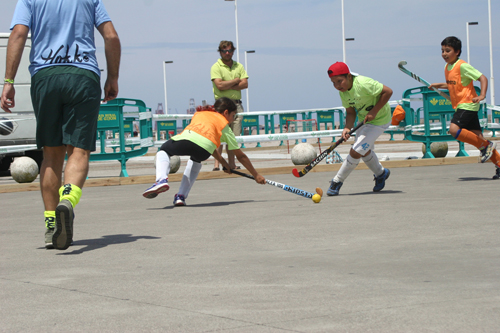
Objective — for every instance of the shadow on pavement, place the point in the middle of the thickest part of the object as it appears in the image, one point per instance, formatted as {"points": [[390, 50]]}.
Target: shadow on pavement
{"points": [[471, 179], [208, 204], [378, 193], [99, 243]]}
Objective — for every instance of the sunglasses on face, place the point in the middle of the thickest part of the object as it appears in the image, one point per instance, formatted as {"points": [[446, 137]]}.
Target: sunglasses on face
{"points": [[226, 51]]}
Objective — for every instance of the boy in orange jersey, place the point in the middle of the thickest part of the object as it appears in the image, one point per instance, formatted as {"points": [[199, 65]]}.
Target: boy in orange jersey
{"points": [[465, 125], [199, 140]]}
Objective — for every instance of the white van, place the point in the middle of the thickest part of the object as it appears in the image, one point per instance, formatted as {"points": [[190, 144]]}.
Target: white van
{"points": [[21, 141]]}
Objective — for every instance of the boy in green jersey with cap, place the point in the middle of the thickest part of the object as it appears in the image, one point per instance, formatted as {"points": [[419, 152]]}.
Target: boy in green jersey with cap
{"points": [[367, 99]]}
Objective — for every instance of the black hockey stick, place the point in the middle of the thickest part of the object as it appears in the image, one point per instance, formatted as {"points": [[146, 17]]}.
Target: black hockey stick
{"points": [[419, 79], [321, 156], [283, 186]]}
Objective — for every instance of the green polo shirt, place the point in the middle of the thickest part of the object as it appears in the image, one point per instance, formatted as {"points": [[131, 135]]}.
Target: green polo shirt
{"points": [[363, 96], [220, 70]]}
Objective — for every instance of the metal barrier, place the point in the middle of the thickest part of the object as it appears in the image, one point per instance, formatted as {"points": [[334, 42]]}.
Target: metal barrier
{"points": [[111, 118], [495, 119], [284, 118], [437, 107], [328, 117], [168, 127], [249, 122]]}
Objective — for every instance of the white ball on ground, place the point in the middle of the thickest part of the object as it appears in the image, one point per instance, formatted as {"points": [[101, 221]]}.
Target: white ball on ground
{"points": [[438, 149], [175, 163], [303, 153], [24, 169]]}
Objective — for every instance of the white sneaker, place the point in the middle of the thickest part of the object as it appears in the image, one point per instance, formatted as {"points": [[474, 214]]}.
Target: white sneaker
{"points": [[157, 188]]}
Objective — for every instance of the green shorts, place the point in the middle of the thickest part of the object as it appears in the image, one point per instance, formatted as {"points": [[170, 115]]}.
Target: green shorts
{"points": [[66, 101]]}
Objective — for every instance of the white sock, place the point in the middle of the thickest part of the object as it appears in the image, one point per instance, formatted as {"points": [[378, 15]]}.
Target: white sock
{"points": [[373, 163], [190, 174], [162, 165], [350, 163]]}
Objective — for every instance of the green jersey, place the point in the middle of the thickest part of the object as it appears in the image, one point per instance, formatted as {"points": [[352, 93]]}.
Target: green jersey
{"points": [[363, 96]]}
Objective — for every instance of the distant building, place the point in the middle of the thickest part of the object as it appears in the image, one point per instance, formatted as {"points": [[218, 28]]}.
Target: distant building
{"points": [[192, 108], [159, 109]]}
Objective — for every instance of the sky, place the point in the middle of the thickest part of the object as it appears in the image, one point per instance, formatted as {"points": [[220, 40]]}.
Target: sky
{"points": [[294, 41]]}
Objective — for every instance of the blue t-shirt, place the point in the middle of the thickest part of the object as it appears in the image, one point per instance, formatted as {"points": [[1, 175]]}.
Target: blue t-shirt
{"points": [[62, 32]]}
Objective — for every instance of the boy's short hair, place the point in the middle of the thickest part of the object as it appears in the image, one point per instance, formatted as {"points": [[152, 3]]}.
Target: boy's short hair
{"points": [[454, 43], [223, 104], [226, 43]]}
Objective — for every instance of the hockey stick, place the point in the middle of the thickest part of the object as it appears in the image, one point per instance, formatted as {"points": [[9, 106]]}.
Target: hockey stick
{"points": [[321, 156], [283, 186], [419, 79]]}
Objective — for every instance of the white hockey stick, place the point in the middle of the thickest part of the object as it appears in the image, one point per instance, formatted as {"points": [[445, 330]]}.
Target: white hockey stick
{"points": [[284, 187]]}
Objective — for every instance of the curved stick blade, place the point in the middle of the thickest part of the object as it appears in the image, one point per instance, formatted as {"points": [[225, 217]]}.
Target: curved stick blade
{"points": [[319, 191], [296, 173]]}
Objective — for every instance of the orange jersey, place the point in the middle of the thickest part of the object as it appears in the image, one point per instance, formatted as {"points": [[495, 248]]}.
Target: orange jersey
{"points": [[208, 124], [458, 93]]}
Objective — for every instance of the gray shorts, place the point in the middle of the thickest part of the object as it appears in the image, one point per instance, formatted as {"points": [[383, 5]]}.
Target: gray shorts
{"points": [[366, 137], [236, 124]]}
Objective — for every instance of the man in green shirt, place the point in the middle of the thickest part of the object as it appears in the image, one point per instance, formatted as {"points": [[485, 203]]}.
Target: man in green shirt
{"points": [[229, 78]]}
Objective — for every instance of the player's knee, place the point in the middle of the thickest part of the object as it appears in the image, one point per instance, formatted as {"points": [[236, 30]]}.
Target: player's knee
{"points": [[367, 153], [355, 154]]}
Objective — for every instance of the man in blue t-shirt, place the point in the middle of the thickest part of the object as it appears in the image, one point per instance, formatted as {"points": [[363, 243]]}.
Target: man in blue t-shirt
{"points": [[66, 94]]}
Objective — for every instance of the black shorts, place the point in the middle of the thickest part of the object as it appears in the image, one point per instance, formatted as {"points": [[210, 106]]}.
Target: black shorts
{"points": [[466, 119], [185, 148]]}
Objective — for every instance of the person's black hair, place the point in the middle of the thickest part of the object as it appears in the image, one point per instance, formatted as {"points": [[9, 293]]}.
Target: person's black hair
{"points": [[454, 43], [223, 104]]}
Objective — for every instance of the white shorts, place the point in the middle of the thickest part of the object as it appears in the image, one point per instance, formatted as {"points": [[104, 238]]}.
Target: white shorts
{"points": [[366, 137]]}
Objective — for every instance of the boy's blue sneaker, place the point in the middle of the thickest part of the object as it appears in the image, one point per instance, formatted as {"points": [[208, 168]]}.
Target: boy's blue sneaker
{"points": [[497, 174], [179, 200], [334, 188], [380, 180], [157, 188], [487, 151]]}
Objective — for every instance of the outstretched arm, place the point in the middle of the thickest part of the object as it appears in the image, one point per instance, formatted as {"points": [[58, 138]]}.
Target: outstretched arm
{"points": [[349, 122], [243, 158], [438, 86], [221, 160]]}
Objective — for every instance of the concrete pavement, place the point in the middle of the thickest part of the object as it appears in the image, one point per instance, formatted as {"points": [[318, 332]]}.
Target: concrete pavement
{"points": [[420, 256]]}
